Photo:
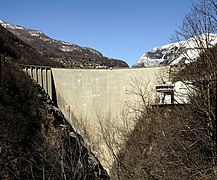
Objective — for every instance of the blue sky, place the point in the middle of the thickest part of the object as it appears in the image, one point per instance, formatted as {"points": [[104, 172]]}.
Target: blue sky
{"points": [[122, 29]]}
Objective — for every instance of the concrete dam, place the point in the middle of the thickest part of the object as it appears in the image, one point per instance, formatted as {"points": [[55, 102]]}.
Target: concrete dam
{"points": [[89, 95], [92, 94]]}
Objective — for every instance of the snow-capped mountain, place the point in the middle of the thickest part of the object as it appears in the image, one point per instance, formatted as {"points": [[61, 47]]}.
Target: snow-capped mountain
{"points": [[176, 53], [68, 54]]}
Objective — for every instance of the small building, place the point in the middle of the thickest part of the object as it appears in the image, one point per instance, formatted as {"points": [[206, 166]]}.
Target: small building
{"points": [[172, 93], [166, 92]]}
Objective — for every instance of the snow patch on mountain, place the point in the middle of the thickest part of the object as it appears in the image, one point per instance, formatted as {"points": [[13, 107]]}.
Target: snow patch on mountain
{"points": [[69, 48], [93, 51], [11, 26], [35, 33]]}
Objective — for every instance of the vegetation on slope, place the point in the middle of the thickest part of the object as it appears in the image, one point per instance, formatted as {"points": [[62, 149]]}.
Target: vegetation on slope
{"points": [[167, 143], [180, 142], [36, 142], [14, 48]]}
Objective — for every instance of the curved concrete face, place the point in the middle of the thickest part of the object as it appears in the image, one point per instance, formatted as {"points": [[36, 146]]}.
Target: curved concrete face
{"points": [[90, 95]]}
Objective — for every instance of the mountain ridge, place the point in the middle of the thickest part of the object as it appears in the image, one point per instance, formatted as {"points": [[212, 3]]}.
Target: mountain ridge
{"points": [[177, 53], [68, 54]]}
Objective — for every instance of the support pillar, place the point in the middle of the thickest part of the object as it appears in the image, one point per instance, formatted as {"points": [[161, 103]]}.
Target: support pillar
{"points": [[34, 74], [40, 79], [49, 83], [44, 79], [28, 71]]}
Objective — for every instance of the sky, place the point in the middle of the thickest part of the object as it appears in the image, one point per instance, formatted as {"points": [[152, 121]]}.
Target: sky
{"points": [[121, 29]]}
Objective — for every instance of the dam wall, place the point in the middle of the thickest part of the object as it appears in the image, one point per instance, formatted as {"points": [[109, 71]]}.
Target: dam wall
{"points": [[90, 99], [92, 95]]}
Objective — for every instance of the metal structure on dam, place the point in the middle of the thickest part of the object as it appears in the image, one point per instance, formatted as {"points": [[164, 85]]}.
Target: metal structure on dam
{"points": [[93, 94]]}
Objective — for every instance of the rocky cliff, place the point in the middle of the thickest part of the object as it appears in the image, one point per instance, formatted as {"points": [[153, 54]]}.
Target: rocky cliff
{"points": [[178, 52]]}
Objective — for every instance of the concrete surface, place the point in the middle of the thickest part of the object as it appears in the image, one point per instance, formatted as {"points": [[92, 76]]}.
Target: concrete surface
{"points": [[93, 94], [90, 97]]}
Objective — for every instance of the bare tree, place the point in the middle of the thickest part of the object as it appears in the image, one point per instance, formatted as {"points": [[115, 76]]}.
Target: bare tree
{"points": [[178, 142], [201, 26]]}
